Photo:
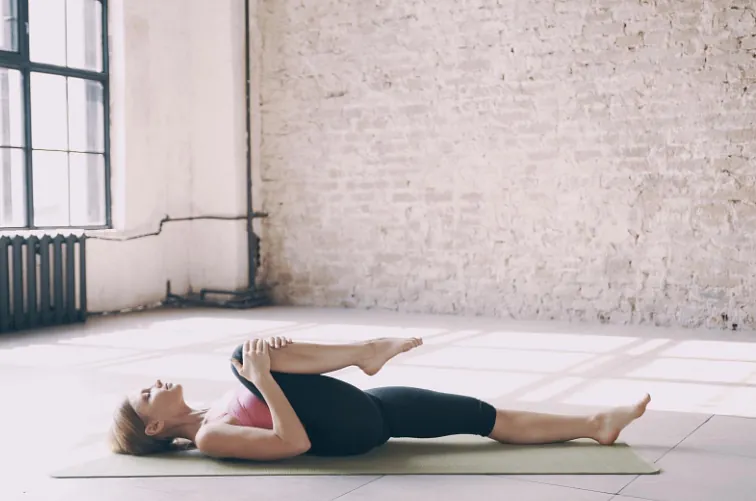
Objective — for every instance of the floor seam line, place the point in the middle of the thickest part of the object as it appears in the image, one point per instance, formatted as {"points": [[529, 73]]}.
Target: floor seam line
{"points": [[685, 438], [358, 487], [633, 497], [670, 450], [565, 486]]}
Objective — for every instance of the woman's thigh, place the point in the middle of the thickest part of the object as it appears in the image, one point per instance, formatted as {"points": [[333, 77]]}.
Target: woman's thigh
{"points": [[340, 419], [420, 413]]}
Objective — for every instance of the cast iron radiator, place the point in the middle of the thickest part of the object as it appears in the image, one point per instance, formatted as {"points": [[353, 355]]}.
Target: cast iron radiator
{"points": [[42, 281]]}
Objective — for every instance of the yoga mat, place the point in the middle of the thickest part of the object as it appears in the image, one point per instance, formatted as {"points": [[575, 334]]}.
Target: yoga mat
{"points": [[443, 456]]}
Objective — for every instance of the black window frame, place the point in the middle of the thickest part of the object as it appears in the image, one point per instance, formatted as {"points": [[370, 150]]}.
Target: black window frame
{"points": [[20, 60]]}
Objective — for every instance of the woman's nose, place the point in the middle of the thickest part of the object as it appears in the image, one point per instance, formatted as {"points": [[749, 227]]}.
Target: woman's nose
{"points": [[159, 383]]}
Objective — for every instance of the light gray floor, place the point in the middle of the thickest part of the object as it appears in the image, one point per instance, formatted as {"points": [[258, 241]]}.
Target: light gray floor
{"points": [[59, 387]]}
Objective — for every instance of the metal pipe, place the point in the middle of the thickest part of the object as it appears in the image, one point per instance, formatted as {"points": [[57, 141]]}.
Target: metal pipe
{"points": [[252, 296], [251, 237]]}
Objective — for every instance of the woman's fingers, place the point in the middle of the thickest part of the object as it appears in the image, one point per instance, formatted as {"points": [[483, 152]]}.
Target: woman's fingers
{"points": [[277, 342], [253, 346]]}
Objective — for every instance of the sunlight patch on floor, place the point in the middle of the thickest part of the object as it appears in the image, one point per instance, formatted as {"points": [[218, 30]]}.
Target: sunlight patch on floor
{"points": [[650, 345], [679, 397], [176, 368], [345, 333], [449, 337], [234, 326], [48, 356], [713, 350], [738, 402], [475, 383], [707, 371], [147, 339], [177, 333], [553, 342], [591, 365], [552, 390], [501, 359]]}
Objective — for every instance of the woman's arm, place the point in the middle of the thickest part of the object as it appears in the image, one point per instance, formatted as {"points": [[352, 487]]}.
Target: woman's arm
{"points": [[223, 440], [286, 423], [287, 438]]}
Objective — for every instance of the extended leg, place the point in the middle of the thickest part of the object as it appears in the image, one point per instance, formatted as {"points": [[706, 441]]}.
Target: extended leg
{"points": [[370, 356], [414, 412], [518, 427]]}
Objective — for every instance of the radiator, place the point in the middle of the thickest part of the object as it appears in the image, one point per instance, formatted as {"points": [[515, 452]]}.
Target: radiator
{"points": [[42, 281]]}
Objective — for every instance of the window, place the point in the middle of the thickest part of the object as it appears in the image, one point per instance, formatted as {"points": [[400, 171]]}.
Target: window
{"points": [[54, 137]]}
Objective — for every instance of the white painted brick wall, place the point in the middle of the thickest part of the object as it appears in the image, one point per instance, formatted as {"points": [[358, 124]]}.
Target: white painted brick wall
{"points": [[587, 160]]}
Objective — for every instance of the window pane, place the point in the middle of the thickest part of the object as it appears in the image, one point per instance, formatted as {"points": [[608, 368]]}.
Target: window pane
{"points": [[47, 31], [12, 188], [85, 34], [50, 176], [87, 189], [86, 124], [11, 108], [48, 104], [9, 25]]}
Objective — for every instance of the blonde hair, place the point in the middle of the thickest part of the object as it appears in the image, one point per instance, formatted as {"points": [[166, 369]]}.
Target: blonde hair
{"points": [[127, 434]]}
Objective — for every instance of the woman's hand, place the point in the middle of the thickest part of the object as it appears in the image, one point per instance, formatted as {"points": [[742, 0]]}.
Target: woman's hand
{"points": [[277, 342], [256, 360]]}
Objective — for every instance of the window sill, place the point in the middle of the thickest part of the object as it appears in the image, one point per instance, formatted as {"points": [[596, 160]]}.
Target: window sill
{"points": [[41, 232]]}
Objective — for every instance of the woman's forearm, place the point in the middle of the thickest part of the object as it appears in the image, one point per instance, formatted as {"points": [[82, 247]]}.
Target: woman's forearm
{"points": [[286, 423]]}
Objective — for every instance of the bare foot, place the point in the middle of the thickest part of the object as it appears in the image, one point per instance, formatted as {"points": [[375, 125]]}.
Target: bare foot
{"points": [[385, 349], [612, 422]]}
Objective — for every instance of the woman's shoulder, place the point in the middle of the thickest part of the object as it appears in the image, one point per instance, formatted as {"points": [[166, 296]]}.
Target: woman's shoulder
{"points": [[214, 437], [218, 411], [215, 425]]}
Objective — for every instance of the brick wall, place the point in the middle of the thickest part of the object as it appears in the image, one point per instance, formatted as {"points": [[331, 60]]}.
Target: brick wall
{"points": [[575, 160]]}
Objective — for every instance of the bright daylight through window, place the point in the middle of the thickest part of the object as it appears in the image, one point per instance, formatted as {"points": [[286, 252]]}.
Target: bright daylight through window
{"points": [[54, 158]]}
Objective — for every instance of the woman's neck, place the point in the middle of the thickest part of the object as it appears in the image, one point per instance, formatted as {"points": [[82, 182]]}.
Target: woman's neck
{"points": [[190, 424]]}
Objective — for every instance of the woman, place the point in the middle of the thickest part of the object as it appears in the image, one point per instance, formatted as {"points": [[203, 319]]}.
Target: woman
{"points": [[285, 407]]}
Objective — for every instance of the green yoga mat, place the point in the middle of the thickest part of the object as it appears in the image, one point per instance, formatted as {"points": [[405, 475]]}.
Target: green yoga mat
{"points": [[444, 456]]}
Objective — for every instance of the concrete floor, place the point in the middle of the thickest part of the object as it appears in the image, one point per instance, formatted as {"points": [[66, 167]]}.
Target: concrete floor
{"points": [[59, 387]]}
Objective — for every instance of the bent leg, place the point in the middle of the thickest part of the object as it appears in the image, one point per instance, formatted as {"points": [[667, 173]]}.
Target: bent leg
{"points": [[340, 419], [309, 358]]}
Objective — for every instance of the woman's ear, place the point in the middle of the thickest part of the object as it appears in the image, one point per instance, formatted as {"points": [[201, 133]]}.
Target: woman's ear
{"points": [[154, 428]]}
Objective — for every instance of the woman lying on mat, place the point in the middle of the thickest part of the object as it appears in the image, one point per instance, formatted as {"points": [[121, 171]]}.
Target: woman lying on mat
{"points": [[286, 407]]}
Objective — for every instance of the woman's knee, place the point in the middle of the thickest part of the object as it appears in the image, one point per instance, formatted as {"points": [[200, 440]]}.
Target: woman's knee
{"points": [[237, 353]]}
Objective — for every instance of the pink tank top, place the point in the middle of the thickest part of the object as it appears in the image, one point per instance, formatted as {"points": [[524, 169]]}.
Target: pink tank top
{"points": [[249, 410]]}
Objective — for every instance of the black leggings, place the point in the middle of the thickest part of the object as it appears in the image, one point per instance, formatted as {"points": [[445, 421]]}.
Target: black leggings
{"points": [[342, 420]]}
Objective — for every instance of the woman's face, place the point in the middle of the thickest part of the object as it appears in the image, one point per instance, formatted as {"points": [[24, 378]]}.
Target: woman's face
{"points": [[157, 404]]}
